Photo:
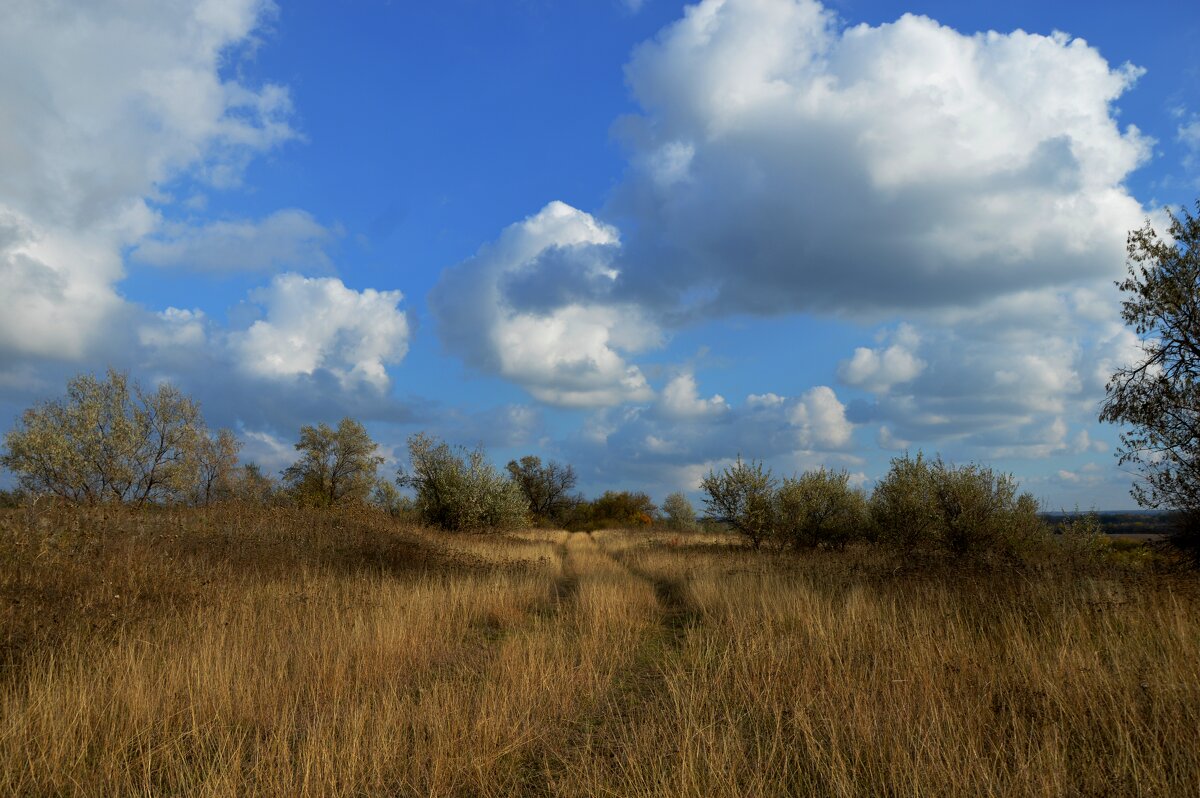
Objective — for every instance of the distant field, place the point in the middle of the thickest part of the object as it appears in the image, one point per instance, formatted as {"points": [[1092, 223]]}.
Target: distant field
{"points": [[283, 653], [1146, 525]]}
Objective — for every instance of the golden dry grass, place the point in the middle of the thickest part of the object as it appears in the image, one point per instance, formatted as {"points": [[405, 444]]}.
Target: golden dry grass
{"points": [[242, 651]]}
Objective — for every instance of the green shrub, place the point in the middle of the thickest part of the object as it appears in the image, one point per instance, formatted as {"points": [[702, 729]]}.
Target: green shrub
{"points": [[958, 510], [819, 508], [743, 496], [1082, 537], [461, 490], [902, 509]]}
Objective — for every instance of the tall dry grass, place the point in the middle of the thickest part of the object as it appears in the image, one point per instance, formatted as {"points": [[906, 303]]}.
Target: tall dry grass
{"points": [[241, 651]]}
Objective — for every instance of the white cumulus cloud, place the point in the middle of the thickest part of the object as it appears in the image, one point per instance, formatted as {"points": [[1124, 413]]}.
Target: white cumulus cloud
{"points": [[680, 399], [821, 419], [879, 369], [782, 163], [533, 307], [105, 103], [319, 323]]}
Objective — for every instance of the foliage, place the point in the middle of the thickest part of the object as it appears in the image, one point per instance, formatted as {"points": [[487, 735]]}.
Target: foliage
{"points": [[742, 496], [819, 508], [1082, 536], [903, 513], [679, 512], [459, 489], [335, 465], [612, 510], [547, 487], [250, 485], [980, 510], [111, 441], [955, 509], [1159, 397], [387, 497], [216, 466]]}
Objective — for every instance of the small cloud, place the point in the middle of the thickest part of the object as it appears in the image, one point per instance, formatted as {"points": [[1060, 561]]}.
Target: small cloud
{"points": [[877, 370], [821, 419], [680, 399]]}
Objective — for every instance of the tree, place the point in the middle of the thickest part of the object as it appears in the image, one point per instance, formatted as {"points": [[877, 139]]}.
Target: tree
{"points": [[679, 512], [250, 484], [216, 466], [335, 465], [460, 489], [109, 440], [1159, 397], [547, 487], [741, 495], [622, 509], [903, 511]]}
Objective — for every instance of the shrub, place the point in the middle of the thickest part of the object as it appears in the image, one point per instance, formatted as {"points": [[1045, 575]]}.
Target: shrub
{"points": [[679, 513], [955, 509], [742, 496], [819, 508], [612, 510], [336, 465], [461, 490], [902, 510], [1082, 537], [547, 487]]}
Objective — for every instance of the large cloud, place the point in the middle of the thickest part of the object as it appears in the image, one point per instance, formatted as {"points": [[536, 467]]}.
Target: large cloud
{"points": [[534, 307], [781, 164], [319, 323], [106, 103]]}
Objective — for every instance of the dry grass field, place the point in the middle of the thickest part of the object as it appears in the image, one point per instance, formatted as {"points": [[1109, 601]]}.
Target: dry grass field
{"points": [[243, 652]]}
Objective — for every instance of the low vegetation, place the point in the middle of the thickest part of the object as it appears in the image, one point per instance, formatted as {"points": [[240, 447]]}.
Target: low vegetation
{"points": [[241, 650], [174, 624]]}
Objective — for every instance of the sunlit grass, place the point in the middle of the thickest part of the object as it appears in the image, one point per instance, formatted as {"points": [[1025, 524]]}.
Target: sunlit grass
{"points": [[243, 651]]}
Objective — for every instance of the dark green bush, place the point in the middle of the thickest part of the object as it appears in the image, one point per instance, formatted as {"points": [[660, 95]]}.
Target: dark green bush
{"points": [[819, 508], [959, 510]]}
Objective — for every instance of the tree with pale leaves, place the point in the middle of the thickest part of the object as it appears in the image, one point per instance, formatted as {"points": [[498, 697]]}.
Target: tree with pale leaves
{"points": [[1158, 397], [336, 465], [110, 440]]}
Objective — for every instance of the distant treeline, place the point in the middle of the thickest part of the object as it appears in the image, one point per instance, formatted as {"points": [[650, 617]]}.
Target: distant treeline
{"points": [[1144, 522]]}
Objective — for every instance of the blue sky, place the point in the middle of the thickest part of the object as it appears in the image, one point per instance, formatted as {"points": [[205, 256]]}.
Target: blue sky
{"points": [[638, 237]]}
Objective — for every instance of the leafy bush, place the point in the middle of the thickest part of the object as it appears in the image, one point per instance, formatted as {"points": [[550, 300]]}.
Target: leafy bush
{"points": [[743, 496], [819, 508], [336, 465], [109, 440], [955, 509], [547, 487], [612, 510], [903, 513], [679, 513], [1082, 537], [460, 489]]}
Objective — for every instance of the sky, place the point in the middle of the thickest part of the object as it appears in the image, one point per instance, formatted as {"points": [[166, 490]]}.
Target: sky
{"points": [[637, 236]]}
